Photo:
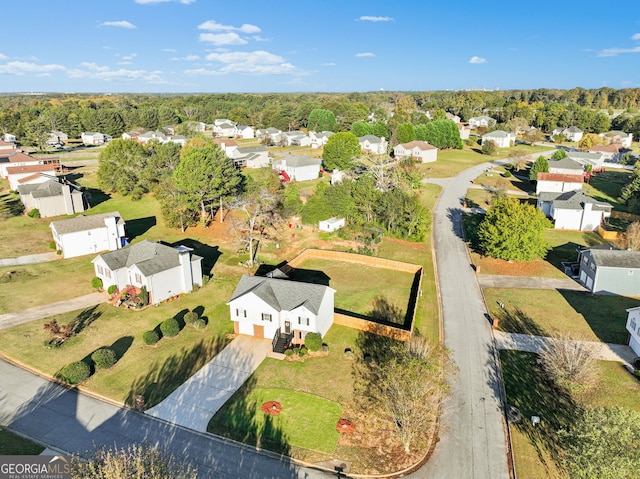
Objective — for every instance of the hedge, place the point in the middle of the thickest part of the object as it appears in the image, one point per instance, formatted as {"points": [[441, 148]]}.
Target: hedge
{"points": [[170, 327], [104, 358], [75, 373]]}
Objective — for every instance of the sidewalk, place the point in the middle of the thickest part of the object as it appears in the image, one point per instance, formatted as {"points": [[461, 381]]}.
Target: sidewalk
{"points": [[528, 282], [19, 317], [30, 259], [533, 344]]}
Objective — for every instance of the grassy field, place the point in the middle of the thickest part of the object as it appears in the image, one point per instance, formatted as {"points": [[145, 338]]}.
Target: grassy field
{"points": [[13, 445], [545, 312], [536, 448], [607, 187]]}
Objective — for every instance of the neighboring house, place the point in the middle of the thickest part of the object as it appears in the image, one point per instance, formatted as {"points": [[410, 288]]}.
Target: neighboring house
{"points": [[612, 152], [573, 133], [373, 144], [32, 174], [502, 139], [270, 135], [318, 140], [573, 210], [227, 130], [297, 167], [295, 138], [331, 225], [133, 134], [596, 160], [168, 130], [337, 176], [222, 121], [197, 126], [418, 150], [556, 183], [12, 158], [566, 166], [164, 270], [8, 137], [179, 139], [270, 307], [83, 235], [250, 157], [54, 197], [147, 136], [610, 271], [92, 138], [617, 136], [244, 131], [452, 117], [464, 130], [7, 147], [633, 326], [226, 145], [478, 121], [57, 138]]}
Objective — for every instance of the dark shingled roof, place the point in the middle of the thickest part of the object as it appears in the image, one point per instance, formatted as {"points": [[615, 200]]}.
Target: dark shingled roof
{"points": [[615, 258], [566, 163], [575, 200], [282, 294], [46, 189], [83, 223], [147, 256]]}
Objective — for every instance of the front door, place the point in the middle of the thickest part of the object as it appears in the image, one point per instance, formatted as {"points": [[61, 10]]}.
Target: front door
{"points": [[287, 327]]}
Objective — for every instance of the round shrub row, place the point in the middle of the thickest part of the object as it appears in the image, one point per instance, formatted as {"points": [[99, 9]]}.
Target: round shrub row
{"points": [[313, 341], [191, 317], [75, 373], [112, 289], [150, 337], [199, 323], [169, 327], [104, 358], [96, 283]]}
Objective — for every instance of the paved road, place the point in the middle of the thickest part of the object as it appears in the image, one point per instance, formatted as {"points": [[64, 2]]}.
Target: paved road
{"points": [[75, 423], [81, 302], [533, 344], [196, 401], [528, 282], [473, 443]]}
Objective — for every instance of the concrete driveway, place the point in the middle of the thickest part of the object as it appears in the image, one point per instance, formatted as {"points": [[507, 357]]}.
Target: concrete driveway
{"points": [[195, 402]]}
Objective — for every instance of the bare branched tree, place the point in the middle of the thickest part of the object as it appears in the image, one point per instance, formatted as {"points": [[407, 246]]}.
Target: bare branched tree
{"points": [[632, 236], [568, 361]]}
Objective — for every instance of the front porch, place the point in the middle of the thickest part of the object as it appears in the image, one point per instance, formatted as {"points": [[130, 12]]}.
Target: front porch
{"points": [[281, 341]]}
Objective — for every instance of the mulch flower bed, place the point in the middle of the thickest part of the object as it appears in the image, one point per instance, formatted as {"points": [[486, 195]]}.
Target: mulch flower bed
{"points": [[272, 408], [346, 426]]}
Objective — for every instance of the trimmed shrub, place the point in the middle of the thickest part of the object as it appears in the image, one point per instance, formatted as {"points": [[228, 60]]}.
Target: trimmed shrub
{"points": [[104, 358], [313, 341], [59, 252], [191, 317], [199, 323], [169, 328], [296, 350], [52, 245], [303, 352], [34, 213], [150, 337], [288, 352], [112, 289], [75, 373], [144, 296], [96, 283]]}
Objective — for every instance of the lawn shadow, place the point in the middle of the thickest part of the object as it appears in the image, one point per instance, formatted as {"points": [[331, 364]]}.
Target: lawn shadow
{"points": [[471, 224], [139, 226], [514, 320], [455, 215], [85, 318], [10, 205], [605, 314], [165, 375], [96, 196], [567, 253], [210, 254], [284, 271], [242, 419]]}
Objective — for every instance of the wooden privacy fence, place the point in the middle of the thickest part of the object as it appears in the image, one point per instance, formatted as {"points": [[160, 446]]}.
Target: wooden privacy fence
{"points": [[625, 216], [402, 332]]}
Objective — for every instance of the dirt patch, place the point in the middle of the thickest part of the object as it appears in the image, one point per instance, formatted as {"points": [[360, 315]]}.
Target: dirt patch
{"points": [[272, 408], [538, 268], [345, 426]]}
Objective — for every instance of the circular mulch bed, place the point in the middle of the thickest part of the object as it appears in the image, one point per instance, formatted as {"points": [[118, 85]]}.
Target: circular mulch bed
{"points": [[346, 426], [272, 408]]}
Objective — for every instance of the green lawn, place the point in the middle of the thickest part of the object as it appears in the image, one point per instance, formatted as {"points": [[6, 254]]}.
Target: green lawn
{"points": [[607, 187], [546, 312], [564, 244], [535, 448], [13, 445], [38, 284], [151, 371], [306, 421]]}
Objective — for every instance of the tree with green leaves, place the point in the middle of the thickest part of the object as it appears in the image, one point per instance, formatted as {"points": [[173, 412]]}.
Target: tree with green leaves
{"points": [[559, 154], [292, 204], [488, 147], [406, 133], [360, 128], [602, 442], [175, 210], [204, 176], [513, 231], [340, 151], [259, 207], [541, 165], [443, 134], [631, 192], [122, 168], [321, 120]]}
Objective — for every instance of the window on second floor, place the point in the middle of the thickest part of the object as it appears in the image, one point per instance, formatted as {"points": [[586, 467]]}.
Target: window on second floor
{"points": [[303, 321], [241, 312], [267, 317]]}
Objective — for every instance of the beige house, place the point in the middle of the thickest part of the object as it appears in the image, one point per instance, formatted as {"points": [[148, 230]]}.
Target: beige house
{"points": [[418, 150]]}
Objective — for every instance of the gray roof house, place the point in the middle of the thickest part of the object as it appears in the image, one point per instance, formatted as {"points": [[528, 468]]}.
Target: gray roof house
{"points": [[89, 234], [297, 167], [272, 308], [54, 197], [250, 156], [610, 271], [164, 270], [596, 160], [573, 210], [566, 166]]}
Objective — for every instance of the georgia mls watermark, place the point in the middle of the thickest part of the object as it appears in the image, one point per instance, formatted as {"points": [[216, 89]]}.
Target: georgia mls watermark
{"points": [[35, 467]]}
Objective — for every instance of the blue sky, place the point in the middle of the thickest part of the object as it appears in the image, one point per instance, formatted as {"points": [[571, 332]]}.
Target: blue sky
{"points": [[332, 46]]}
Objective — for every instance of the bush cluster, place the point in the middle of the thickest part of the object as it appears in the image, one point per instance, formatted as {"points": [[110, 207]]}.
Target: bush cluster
{"points": [[150, 337], [191, 317], [75, 373], [104, 358], [199, 323], [170, 328], [34, 213], [313, 341], [96, 283], [112, 289]]}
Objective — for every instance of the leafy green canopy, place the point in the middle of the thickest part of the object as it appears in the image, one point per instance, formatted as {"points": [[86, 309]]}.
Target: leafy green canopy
{"points": [[321, 120], [340, 151], [541, 165], [513, 231]]}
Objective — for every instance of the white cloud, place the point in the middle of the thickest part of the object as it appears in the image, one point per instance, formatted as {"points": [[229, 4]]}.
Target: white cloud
{"points": [[20, 68], [614, 52], [474, 60], [259, 62], [188, 58], [365, 55], [121, 24], [369, 18], [258, 38], [213, 26], [98, 72], [330, 64], [3, 57], [150, 2], [170, 50], [230, 38], [129, 57], [636, 36]]}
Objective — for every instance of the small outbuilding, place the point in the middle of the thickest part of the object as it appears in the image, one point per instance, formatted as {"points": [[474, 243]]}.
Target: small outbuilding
{"points": [[331, 225]]}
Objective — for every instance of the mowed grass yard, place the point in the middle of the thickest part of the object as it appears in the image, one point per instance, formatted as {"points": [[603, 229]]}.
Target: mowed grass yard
{"points": [[535, 447], [547, 312], [151, 371]]}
